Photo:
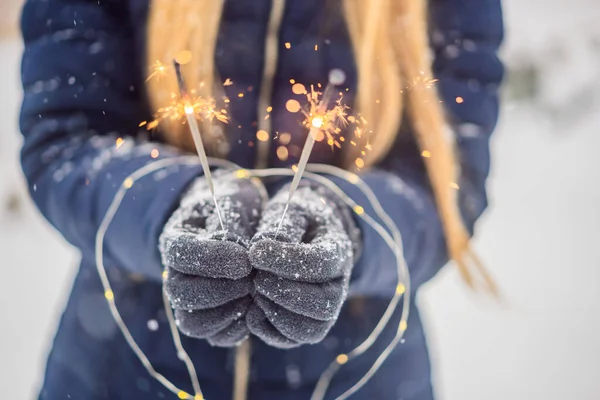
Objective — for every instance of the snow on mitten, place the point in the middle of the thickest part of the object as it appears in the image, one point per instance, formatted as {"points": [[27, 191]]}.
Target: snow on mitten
{"points": [[209, 280], [303, 271]]}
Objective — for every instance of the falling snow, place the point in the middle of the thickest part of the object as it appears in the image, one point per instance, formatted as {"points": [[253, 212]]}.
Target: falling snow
{"points": [[544, 149]]}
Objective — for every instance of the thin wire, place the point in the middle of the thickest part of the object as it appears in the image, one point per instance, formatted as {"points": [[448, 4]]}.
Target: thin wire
{"points": [[181, 353], [402, 272], [108, 292], [394, 242], [398, 249]]}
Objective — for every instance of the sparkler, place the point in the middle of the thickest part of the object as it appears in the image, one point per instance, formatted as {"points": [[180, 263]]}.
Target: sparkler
{"points": [[190, 112], [320, 121]]}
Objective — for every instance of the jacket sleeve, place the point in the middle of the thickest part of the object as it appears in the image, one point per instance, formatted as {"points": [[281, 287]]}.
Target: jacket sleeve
{"points": [[465, 36], [79, 118]]}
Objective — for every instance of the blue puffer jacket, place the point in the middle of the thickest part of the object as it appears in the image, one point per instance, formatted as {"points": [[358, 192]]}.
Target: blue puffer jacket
{"points": [[83, 80]]}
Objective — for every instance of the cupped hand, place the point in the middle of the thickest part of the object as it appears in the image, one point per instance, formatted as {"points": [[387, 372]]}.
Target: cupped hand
{"points": [[302, 268], [208, 274]]}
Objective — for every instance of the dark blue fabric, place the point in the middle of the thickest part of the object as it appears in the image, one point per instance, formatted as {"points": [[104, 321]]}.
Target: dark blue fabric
{"points": [[83, 80]]}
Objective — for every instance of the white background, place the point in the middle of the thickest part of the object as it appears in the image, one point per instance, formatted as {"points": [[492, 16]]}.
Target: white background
{"points": [[540, 236]]}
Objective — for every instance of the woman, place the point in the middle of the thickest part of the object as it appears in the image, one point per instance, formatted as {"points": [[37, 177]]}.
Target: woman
{"points": [[84, 75]]}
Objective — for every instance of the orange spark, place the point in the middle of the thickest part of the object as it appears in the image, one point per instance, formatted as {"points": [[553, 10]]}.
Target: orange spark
{"points": [[203, 108], [158, 70], [422, 80]]}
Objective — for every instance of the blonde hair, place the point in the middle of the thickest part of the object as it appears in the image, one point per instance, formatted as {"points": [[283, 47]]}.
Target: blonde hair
{"points": [[390, 41]]}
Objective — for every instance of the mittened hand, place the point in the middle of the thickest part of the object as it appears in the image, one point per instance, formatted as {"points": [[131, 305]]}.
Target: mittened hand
{"points": [[303, 271], [208, 272], [286, 286]]}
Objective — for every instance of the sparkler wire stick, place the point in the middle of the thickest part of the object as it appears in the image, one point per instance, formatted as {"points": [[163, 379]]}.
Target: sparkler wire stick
{"points": [[316, 124], [190, 114], [109, 294]]}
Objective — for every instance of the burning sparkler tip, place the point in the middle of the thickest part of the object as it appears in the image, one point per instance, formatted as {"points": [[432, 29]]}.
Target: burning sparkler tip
{"points": [[317, 122]]}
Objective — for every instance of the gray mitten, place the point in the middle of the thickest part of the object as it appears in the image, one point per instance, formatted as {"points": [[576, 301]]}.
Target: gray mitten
{"points": [[303, 271], [208, 272]]}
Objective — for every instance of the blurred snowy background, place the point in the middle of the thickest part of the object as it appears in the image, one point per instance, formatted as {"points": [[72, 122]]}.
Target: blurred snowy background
{"points": [[540, 236]]}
